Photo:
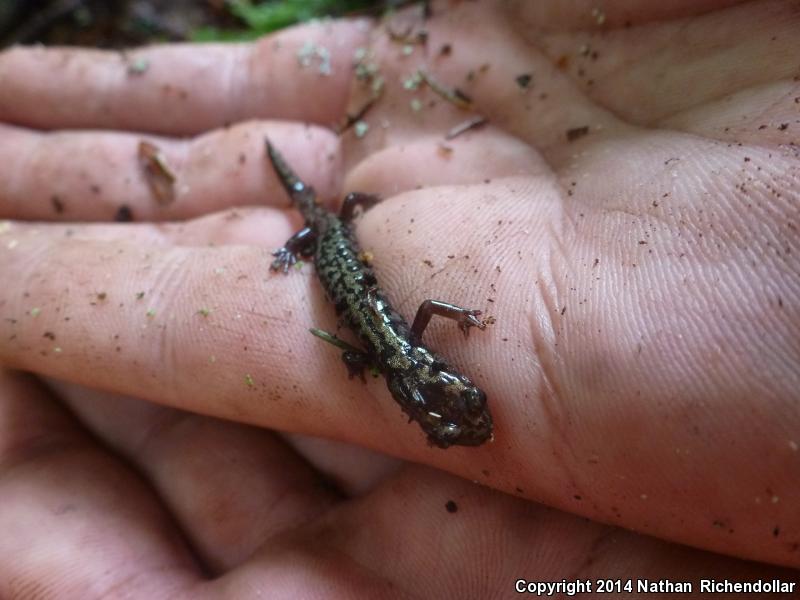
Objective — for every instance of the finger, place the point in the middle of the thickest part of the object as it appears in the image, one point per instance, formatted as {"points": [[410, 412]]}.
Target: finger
{"points": [[231, 317], [429, 160], [573, 77], [472, 542], [94, 176], [623, 69], [230, 488], [183, 89], [254, 353], [61, 492], [149, 320], [486, 71], [355, 471], [251, 226]]}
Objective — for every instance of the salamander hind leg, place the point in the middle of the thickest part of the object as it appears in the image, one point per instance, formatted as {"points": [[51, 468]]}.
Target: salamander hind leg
{"points": [[356, 362], [300, 244], [352, 201], [465, 317]]}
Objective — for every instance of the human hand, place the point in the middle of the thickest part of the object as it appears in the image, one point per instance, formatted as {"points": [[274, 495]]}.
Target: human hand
{"points": [[658, 396], [203, 508]]}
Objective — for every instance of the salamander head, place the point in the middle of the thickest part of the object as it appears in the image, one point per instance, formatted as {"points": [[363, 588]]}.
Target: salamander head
{"points": [[447, 405]]}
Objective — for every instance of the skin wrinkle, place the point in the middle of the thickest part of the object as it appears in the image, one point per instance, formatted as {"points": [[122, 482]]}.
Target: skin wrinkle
{"points": [[724, 120], [109, 80], [563, 16], [81, 447], [544, 335], [182, 158], [722, 93], [167, 348], [127, 585], [271, 512], [197, 435], [239, 69], [602, 539], [361, 567], [26, 453], [166, 423], [25, 159], [333, 534], [664, 43], [773, 104], [29, 264]]}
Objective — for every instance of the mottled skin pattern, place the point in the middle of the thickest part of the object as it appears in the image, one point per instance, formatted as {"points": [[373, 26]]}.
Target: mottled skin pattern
{"points": [[447, 405]]}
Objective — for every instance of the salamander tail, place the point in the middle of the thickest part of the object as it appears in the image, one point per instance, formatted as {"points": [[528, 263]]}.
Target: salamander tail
{"points": [[302, 195]]}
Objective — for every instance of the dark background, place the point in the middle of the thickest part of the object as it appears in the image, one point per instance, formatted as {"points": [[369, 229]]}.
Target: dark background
{"points": [[123, 23]]}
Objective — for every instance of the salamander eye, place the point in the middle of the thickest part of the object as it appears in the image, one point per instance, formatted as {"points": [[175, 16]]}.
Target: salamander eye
{"points": [[474, 399], [438, 366]]}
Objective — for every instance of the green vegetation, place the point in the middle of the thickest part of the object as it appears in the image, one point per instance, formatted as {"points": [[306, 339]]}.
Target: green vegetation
{"points": [[264, 17]]}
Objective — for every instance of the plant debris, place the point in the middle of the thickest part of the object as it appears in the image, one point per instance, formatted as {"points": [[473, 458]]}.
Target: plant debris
{"points": [[360, 128], [577, 133], [333, 339], [159, 175], [309, 51], [524, 81], [137, 66], [444, 150], [123, 214], [452, 95], [58, 204], [358, 117], [408, 36], [471, 123], [372, 85]]}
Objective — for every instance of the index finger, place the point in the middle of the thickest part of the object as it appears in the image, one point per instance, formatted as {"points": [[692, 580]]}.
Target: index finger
{"points": [[300, 74]]}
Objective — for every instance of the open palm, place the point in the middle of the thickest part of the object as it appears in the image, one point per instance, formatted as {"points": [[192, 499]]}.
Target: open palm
{"points": [[628, 215]]}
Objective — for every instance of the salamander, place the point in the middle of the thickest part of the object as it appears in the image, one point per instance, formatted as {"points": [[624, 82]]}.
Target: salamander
{"points": [[448, 406]]}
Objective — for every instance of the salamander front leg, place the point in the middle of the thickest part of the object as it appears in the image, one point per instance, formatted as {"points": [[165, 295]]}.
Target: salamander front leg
{"points": [[352, 201], [301, 243], [465, 317]]}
